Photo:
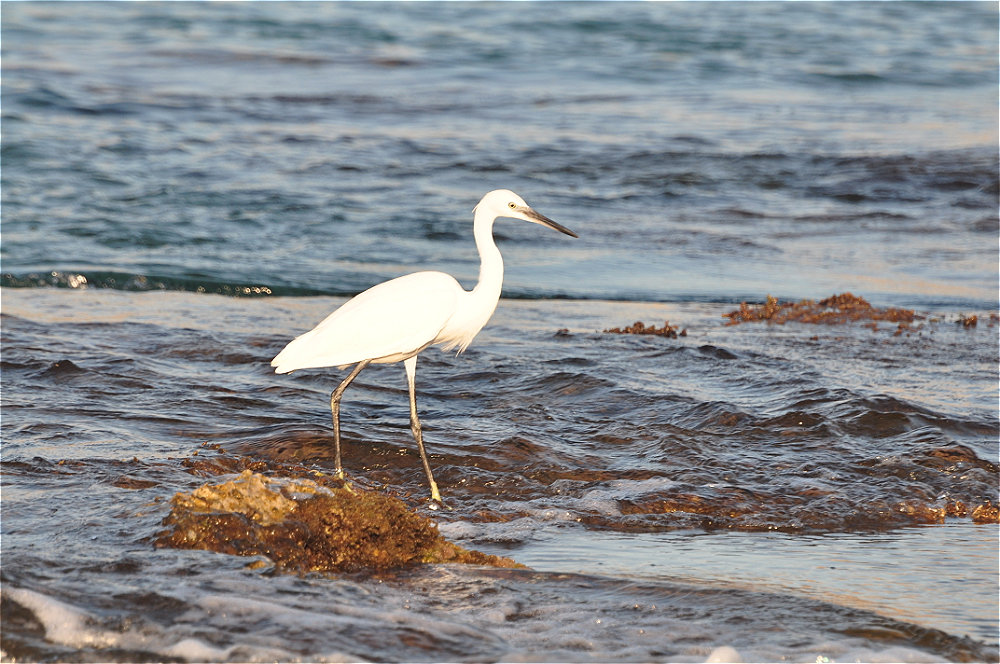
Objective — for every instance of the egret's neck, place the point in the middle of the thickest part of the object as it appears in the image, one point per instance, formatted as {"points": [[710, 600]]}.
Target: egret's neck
{"points": [[491, 265]]}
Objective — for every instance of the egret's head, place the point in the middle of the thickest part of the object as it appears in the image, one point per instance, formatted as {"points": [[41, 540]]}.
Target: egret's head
{"points": [[505, 203]]}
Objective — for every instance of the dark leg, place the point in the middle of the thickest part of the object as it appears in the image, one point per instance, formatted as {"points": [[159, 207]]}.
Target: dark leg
{"points": [[411, 371], [335, 410]]}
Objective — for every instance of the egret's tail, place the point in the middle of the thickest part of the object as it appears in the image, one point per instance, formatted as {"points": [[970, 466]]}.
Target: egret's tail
{"points": [[284, 362], [278, 369]]}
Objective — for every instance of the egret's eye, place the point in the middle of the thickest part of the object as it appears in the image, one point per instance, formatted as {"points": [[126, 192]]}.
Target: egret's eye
{"points": [[512, 205]]}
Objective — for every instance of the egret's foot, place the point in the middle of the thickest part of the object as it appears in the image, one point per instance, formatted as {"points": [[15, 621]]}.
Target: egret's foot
{"points": [[339, 474], [435, 504], [435, 501]]}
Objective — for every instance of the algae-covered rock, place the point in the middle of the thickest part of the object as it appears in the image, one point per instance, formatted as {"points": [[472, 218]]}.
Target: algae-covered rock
{"points": [[305, 527], [834, 310], [638, 327]]}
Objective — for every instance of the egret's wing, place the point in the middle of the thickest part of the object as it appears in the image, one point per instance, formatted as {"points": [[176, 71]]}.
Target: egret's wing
{"points": [[397, 317]]}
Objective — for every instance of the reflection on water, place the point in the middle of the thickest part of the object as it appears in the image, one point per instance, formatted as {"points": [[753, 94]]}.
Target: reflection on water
{"points": [[939, 575]]}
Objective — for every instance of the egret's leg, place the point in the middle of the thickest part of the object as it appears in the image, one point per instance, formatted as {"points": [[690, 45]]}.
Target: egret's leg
{"points": [[335, 410], [411, 372]]}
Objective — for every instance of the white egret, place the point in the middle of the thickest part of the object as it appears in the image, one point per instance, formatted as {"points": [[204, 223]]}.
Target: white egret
{"points": [[395, 320]]}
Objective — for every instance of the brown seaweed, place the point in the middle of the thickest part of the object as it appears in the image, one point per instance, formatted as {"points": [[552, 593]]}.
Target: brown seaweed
{"points": [[834, 310], [668, 330], [305, 526]]}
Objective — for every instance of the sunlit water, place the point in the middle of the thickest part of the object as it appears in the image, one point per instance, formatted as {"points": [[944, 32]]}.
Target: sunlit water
{"points": [[769, 489]]}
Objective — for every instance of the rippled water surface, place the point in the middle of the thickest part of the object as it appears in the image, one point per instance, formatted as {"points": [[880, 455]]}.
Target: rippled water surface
{"points": [[188, 186]]}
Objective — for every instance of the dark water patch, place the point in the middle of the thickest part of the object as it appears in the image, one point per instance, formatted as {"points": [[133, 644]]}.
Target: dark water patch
{"points": [[567, 384], [954, 458], [885, 415], [986, 225], [220, 56], [911, 177], [716, 352], [60, 370], [127, 482], [286, 442]]}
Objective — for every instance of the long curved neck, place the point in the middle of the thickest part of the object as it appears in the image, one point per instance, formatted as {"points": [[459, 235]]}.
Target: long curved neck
{"points": [[491, 263], [478, 304]]}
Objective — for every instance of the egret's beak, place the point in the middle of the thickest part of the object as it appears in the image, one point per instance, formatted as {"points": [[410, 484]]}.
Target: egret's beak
{"points": [[545, 221]]}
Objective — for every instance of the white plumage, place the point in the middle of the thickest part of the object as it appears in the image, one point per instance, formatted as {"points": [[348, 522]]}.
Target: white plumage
{"points": [[423, 303], [395, 320]]}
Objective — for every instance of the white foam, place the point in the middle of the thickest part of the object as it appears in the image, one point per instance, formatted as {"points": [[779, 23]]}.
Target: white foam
{"points": [[724, 655], [460, 529], [325, 620], [514, 531], [851, 652], [70, 626], [616, 489], [551, 514], [196, 650], [604, 499], [63, 624]]}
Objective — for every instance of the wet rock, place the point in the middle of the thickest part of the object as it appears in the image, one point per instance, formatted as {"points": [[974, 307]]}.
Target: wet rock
{"points": [[834, 310], [638, 327], [986, 512], [126, 482], [303, 526]]}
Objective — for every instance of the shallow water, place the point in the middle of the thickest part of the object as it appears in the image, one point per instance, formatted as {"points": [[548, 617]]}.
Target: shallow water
{"points": [[188, 186], [645, 464]]}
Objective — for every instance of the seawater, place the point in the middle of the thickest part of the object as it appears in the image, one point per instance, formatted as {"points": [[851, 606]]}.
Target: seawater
{"points": [[185, 187]]}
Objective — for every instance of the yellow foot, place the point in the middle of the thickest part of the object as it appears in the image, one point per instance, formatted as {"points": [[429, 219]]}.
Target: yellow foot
{"points": [[339, 474], [436, 501]]}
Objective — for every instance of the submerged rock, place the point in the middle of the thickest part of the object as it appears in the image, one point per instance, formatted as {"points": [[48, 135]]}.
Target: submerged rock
{"points": [[303, 526]]}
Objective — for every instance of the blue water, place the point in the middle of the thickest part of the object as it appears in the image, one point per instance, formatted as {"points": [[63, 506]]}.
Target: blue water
{"points": [[701, 151], [186, 186]]}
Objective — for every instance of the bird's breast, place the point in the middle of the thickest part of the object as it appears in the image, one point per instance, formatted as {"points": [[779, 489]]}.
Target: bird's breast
{"points": [[472, 313]]}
